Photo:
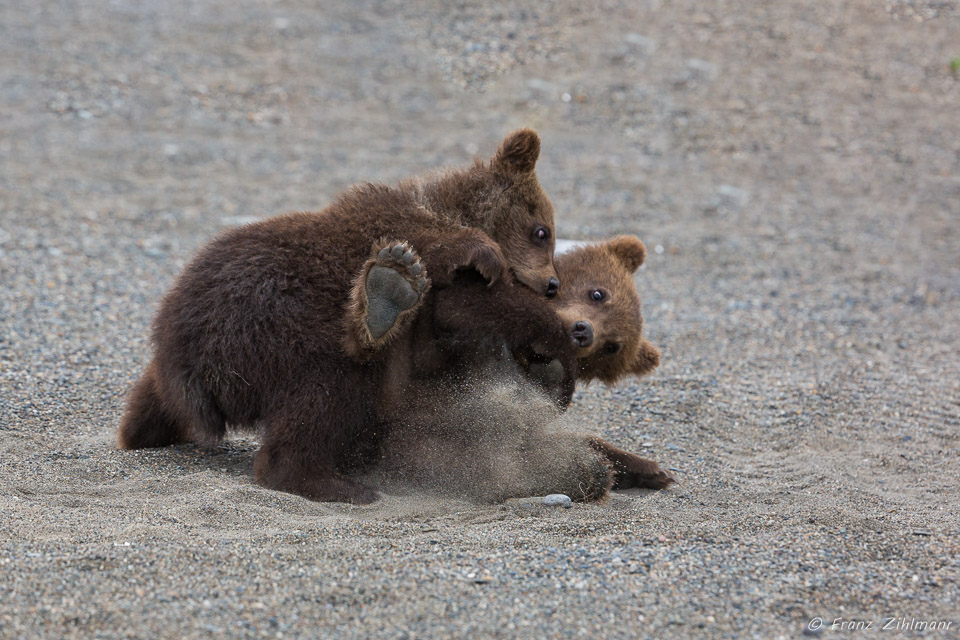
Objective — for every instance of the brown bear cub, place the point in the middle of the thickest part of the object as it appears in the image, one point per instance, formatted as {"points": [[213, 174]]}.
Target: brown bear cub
{"points": [[256, 332], [600, 309], [475, 427]]}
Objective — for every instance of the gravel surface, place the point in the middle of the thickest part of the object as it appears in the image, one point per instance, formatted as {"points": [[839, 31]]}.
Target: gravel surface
{"points": [[794, 169]]}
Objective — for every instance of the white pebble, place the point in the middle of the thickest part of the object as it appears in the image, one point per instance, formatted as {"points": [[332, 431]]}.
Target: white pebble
{"points": [[557, 500]]}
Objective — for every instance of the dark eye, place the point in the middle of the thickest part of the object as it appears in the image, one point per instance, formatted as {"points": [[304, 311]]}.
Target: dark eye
{"points": [[541, 235], [611, 347], [597, 295]]}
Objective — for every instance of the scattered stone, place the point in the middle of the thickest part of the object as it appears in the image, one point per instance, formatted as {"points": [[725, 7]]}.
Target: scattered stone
{"points": [[557, 500], [642, 43], [701, 66]]}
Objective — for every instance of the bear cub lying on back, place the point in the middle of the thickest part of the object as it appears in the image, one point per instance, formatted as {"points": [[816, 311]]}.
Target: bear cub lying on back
{"points": [[474, 424]]}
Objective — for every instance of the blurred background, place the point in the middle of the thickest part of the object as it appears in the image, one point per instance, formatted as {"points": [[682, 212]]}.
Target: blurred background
{"points": [[789, 165]]}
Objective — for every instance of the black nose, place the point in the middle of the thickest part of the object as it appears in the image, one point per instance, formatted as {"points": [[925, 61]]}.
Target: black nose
{"points": [[582, 334], [553, 285]]}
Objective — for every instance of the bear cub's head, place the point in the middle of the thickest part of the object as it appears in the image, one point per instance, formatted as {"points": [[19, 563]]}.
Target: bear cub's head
{"points": [[516, 212], [600, 309]]}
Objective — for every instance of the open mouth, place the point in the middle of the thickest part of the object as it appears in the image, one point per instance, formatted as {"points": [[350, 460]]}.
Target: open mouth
{"points": [[527, 356]]}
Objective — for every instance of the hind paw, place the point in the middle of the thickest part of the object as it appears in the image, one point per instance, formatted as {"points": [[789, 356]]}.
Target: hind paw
{"points": [[385, 296], [640, 472], [395, 284]]}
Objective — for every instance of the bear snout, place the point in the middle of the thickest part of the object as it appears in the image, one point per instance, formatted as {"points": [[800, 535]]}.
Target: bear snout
{"points": [[553, 286], [582, 334]]}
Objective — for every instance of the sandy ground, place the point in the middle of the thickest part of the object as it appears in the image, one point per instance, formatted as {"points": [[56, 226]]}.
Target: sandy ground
{"points": [[794, 169]]}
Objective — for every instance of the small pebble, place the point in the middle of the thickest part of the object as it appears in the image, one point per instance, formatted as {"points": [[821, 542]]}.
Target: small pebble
{"points": [[558, 500]]}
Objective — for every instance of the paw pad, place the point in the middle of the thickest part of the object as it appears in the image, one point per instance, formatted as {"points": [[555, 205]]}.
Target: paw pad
{"points": [[394, 284]]}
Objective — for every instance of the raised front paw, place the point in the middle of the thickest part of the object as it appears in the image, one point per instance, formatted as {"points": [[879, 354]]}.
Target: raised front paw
{"points": [[395, 283], [487, 259], [465, 249]]}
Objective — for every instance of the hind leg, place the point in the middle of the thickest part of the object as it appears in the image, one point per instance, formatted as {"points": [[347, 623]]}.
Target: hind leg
{"points": [[385, 297], [147, 422], [495, 467], [570, 466], [164, 409], [631, 470]]}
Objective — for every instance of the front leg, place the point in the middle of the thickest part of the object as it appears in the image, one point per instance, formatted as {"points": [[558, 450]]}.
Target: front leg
{"points": [[309, 440], [385, 298], [464, 248], [631, 470]]}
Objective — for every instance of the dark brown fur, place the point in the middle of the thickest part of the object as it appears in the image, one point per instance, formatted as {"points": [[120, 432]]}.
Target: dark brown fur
{"points": [[255, 332]]}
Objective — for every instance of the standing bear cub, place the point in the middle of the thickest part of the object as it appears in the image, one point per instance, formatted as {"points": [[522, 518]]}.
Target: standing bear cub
{"points": [[257, 333]]}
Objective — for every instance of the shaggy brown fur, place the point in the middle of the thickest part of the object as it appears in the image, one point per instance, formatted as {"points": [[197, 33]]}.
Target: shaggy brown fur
{"points": [[255, 331]]}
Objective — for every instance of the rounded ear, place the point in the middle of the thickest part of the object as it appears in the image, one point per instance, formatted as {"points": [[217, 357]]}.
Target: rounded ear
{"points": [[519, 151], [648, 359], [629, 250]]}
